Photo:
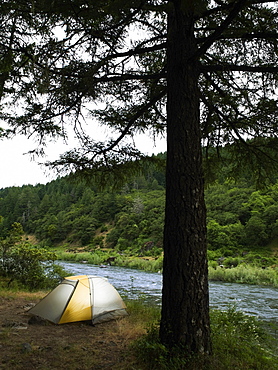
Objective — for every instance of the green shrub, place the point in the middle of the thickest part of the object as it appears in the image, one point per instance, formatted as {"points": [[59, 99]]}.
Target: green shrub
{"points": [[239, 342], [213, 264], [31, 266], [231, 262]]}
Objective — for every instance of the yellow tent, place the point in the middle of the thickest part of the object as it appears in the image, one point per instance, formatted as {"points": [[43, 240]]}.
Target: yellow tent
{"points": [[81, 298]]}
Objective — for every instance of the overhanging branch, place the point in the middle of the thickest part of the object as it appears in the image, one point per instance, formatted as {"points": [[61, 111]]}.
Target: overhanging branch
{"points": [[239, 68], [238, 5], [246, 36], [139, 50], [130, 77], [137, 115]]}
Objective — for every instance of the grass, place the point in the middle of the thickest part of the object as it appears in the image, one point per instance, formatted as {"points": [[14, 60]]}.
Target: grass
{"points": [[146, 264], [92, 258], [101, 256], [245, 274], [14, 291], [239, 342], [242, 273]]}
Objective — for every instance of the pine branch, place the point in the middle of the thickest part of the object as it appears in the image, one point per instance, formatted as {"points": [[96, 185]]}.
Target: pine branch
{"points": [[132, 120], [129, 77], [139, 50], [253, 2], [246, 36], [209, 12], [239, 68], [238, 5], [251, 36]]}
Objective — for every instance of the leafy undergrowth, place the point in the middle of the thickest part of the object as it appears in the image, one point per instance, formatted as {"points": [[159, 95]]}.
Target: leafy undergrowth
{"points": [[239, 342]]}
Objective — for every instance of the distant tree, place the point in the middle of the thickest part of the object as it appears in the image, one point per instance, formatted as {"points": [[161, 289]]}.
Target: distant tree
{"points": [[8, 241], [256, 231], [213, 64], [138, 206]]}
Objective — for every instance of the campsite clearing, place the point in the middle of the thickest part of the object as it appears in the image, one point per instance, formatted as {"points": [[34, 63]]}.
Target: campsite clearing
{"points": [[110, 345], [69, 346]]}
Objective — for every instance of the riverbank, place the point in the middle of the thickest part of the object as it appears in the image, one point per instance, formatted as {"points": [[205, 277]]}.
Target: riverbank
{"points": [[242, 273], [239, 341]]}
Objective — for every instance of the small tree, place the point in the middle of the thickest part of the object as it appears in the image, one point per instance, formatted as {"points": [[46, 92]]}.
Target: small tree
{"points": [[29, 265], [7, 242]]}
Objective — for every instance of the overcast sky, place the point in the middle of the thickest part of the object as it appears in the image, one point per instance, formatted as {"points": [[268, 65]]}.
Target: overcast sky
{"points": [[17, 169]]}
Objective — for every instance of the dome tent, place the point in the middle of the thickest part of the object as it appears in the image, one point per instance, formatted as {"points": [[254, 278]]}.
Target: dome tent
{"points": [[81, 298]]}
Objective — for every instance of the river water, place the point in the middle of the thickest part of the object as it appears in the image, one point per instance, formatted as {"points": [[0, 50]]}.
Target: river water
{"points": [[254, 300]]}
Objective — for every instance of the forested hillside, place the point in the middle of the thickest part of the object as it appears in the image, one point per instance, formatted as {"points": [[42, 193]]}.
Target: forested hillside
{"points": [[77, 214], [130, 220]]}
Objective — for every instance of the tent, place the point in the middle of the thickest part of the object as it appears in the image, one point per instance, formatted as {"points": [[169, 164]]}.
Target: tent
{"points": [[81, 298]]}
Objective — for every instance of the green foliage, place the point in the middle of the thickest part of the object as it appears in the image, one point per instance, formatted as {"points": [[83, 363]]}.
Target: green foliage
{"points": [[31, 266], [242, 222], [241, 216], [239, 342], [10, 238], [73, 213], [245, 274]]}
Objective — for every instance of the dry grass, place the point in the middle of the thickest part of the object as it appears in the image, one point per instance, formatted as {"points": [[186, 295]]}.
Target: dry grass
{"points": [[81, 346], [70, 346]]}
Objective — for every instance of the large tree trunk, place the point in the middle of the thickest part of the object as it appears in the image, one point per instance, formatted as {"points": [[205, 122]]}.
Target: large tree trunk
{"points": [[185, 300]]}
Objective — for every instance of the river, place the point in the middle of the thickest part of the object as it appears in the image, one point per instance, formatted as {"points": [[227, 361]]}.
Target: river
{"points": [[255, 300]]}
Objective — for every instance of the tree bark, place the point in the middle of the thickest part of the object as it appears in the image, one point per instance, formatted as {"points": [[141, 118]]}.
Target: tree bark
{"points": [[185, 299]]}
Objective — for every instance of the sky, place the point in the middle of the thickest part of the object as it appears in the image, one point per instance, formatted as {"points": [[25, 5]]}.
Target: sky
{"points": [[17, 168]]}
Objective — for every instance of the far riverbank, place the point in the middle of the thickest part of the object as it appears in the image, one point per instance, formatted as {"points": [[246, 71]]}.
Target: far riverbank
{"points": [[242, 273]]}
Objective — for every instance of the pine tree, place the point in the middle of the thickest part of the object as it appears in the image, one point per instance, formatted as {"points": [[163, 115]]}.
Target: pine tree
{"points": [[212, 64]]}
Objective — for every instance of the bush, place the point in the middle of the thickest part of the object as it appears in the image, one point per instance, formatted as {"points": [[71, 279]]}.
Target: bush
{"points": [[238, 341], [231, 261], [31, 266], [213, 264]]}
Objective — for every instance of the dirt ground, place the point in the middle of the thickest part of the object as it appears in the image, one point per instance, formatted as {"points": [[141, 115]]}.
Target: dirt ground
{"points": [[71, 346]]}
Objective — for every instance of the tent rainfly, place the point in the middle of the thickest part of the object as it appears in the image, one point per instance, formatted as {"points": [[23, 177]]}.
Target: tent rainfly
{"points": [[81, 298]]}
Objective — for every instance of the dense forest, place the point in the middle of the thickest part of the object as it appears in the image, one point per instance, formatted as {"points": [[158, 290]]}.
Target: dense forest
{"points": [[78, 216]]}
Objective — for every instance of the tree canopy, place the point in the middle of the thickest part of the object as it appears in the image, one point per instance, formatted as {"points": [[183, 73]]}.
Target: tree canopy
{"points": [[204, 71], [63, 61]]}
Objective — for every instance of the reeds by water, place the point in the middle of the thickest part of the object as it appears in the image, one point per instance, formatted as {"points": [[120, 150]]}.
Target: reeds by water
{"points": [[245, 274]]}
